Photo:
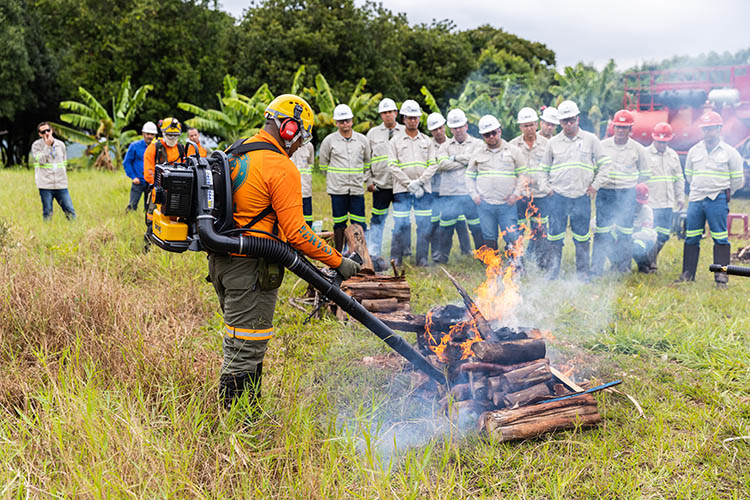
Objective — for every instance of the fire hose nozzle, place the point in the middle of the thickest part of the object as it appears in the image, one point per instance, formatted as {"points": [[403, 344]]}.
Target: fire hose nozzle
{"points": [[731, 270]]}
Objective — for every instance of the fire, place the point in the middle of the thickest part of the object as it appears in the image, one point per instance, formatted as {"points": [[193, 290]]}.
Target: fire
{"points": [[496, 297]]}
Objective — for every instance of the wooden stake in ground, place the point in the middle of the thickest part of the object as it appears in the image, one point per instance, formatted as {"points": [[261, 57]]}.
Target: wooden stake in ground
{"points": [[355, 239], [531, 421]]}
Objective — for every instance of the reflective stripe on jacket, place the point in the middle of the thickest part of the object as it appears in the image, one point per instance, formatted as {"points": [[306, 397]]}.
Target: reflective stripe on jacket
{"points": [[346, 163], [629, 164], [379, 138], [711, 173], [532, 156], [50, 164], [452, 174], [408, 159], [495, 174], [666, 186], [572, 165], [304, 159]]}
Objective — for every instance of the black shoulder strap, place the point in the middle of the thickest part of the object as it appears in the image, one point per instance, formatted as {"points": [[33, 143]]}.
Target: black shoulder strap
{"points": [[181, 149], [239, 148], [161, 152]]}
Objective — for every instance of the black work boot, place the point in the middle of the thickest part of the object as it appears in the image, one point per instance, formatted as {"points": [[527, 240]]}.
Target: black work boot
{"points": [[477, 236], [445, 240], [582, 260], [463, 237], [722, 254], [690, 254], [436, 248], [231, 387], [655, 255], [491, 244], [338, 238], [554, 260], [602, 250]]}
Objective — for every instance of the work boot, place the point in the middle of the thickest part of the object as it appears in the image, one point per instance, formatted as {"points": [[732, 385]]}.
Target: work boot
{"points": [[445, 242], [338, 238], [582, 260], [491, 244], [477, 236], [231, 387], [436, 249], [463, 237], [655, 254], [690, 254], [554, 260], [722, 254]]}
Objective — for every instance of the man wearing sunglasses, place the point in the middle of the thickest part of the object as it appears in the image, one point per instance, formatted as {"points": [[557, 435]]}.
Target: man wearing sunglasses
{"points": [[49, 158], [495, 180], [576, 167]]}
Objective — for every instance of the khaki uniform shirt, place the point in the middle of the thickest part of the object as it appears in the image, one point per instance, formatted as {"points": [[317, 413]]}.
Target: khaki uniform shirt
{"points": [[379, 138], [495, 174], [629, 164], [304, 159], [451, 174], [711, 173], [408, 159], [666, 186], [538, 181], [345, 162], [572, 165], [49, 164]]}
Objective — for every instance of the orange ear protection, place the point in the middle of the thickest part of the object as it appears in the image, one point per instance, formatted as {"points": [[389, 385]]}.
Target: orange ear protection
{"points": [[288, 129]]}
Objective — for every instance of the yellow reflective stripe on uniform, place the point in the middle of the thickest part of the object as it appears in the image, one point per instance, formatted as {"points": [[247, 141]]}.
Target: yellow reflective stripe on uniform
{"points": [[323, 168], [473, 222], [356, 218], [709, 173], [248, 333], [624, 230], [344, 170], [50, 165], [662, 178], [693, 232], [640, 243], [603, 160], [720, 236], [495, 174], [408, 164], [423, 213], [582, 237], [662, 230], [379, 211], [556, 237], [571, 165], [447, 223], [603, 229], [401, 214]]}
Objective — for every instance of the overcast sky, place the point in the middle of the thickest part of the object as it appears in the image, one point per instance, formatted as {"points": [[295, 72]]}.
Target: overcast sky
{"points": [[630, 32]]}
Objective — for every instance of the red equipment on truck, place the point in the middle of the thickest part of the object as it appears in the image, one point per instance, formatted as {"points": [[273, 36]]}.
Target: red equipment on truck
{"points": [[680, 96]]}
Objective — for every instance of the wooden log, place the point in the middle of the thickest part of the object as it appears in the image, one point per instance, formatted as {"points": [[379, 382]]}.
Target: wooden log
{"points": [[479, 321], [480, 388], [516, 380], [498, 399], [513, 351], [379, 293], [355, 239], [384, 305], [461, 392], [403, 321], [494, 383], [531, 421], [526, 396], [480, 366]]}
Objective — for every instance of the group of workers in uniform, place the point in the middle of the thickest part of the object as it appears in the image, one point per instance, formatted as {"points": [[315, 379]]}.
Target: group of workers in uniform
{"points": [[540, 183]]}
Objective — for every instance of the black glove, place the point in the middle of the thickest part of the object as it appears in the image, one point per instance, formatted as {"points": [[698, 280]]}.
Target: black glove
{"points": [[348, 268]]}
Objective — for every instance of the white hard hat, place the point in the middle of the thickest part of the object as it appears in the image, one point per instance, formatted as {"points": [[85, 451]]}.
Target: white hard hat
{"points": [[456, 118], [149, 128], [549, 115], [410, 107], [435, 120], [527, 115], [567, 109], [342, 112], [387, 105], [488, 123]]}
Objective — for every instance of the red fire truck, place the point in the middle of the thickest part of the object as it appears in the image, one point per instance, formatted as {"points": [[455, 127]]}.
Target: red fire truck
{"points": [[680, 96]]}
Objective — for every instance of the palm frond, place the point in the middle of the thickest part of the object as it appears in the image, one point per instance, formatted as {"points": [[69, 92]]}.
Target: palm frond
{"points": [[429, 100], [297, 81], [92, 103], [81, 121], [74, 135]]}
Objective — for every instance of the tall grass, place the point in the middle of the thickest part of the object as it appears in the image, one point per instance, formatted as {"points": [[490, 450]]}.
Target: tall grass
{"points": [[109, 360]]}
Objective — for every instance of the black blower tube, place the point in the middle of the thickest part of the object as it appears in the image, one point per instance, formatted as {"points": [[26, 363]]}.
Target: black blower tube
{"points": [[731, 270], [282, 253]]}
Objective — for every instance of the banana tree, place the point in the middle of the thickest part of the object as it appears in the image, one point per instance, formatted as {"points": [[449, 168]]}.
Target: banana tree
{"points": [[102, 132], [238, 115]]}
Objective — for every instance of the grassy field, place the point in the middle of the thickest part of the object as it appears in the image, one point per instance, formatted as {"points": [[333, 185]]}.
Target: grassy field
{"points": [[110, 357]]}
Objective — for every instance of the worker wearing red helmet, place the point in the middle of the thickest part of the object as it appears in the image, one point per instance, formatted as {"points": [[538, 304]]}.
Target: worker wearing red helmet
{"points": [[666, 185], [714, 170], [615, 201], [644, 235]]}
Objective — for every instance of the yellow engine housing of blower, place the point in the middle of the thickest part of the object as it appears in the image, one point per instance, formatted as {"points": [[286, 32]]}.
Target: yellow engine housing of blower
{"points": [[167, 228]]}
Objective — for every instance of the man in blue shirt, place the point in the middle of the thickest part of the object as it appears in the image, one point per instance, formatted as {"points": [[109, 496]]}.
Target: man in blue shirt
{"points": [[133, 165]]}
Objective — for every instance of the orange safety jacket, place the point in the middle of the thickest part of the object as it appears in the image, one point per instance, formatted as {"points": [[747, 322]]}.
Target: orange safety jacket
{"points": [[265, 178], [201, 151], [174, 154]]}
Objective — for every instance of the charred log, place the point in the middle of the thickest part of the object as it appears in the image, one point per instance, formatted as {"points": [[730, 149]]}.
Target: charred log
{"points": [[514, 351]]}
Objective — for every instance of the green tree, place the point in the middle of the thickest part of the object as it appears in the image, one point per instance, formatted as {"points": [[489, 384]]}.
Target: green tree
{"points": [[238, 115], [102, 131]]}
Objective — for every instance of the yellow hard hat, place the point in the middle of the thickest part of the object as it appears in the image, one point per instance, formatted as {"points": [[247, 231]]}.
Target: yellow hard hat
{"points": [[296, 108], [170, 125]]}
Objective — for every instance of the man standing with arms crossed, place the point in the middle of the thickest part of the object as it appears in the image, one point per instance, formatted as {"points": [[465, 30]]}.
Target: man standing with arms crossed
{"points": [[50, 159], [714, 171], [381, 184], [666, 185], [452, 159], [576, 167], [534, 209], [345, 159], [615, 200], [410, 154]]}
